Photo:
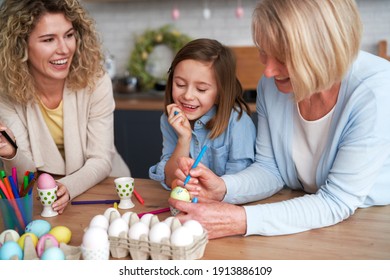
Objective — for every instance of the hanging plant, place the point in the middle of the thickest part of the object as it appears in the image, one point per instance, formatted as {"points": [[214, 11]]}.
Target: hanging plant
{"points": [[144, 45]]}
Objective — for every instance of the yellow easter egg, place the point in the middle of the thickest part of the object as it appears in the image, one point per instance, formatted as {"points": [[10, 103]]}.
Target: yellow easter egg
{"points": [[22, 238], [61, 233]]}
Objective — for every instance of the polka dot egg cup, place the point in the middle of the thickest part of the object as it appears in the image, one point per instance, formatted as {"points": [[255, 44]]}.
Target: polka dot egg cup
{"points": [[102, 253], [124, 188], [47, 198]]}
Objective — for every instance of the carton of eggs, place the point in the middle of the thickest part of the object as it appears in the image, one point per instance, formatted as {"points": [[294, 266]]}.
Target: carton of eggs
{"points": [[38, 238], [148, 238]]}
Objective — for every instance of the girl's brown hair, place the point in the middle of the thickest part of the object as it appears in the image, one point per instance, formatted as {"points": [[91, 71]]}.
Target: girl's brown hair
{"points": [[17, 20], [230, 93]]}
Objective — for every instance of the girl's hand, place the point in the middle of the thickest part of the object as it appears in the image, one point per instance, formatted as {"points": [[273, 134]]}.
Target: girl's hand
{"points": [[203, 182], [6, 149], [178, 120], [63, 199], [218, 218]]}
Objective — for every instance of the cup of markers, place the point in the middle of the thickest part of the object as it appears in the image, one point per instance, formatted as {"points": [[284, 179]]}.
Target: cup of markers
{"points": [[16, 203]]}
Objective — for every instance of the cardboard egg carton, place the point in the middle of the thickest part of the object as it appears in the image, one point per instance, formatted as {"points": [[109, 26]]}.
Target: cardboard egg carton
{"points": [[143, 249], [30, 253]]}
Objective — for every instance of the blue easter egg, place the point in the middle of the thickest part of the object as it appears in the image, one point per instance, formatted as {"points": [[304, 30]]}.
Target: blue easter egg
{"points": [[38, 227], [53, 253], [9, 250]]}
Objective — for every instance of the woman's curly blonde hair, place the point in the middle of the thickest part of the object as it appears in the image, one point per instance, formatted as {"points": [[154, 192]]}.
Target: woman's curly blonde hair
{"points": [[17, 20]]}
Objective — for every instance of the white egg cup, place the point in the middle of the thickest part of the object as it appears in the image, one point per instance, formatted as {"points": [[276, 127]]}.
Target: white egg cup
{"points": [[102, 252], [124, 187], [47, 197]]}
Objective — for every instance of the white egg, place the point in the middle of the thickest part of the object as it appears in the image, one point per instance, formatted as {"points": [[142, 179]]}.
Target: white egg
{"points": [[137, 229], [99, 221], [169, 220], [182, 236], [126, 216], [146, 219], [117, 226], [195, 227], [94, 238], [159, 231], [110, 210]]}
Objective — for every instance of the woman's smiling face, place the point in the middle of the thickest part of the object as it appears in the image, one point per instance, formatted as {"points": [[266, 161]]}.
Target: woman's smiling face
{"points": [[51, 46], [277, 70], [194, 88]]}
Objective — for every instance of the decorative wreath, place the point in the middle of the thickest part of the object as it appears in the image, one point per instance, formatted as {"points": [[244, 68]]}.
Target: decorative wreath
{"points": [[144, 46]]}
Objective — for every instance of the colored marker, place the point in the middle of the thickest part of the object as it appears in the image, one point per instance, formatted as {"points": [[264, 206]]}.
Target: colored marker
{"points": [[5, 190], [32, 176], [14, 175], [2, 175], [25, 184], [154, 212], [137, 195], [2, 194], [16, 195], [12, 142], [12, 200], [175, 113], [107, 201], [196, 163], [14, 187], [29, 187]]}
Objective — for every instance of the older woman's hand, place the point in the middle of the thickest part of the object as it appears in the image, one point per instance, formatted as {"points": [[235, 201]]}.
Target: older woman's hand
{"points": [[203, 182], [218, 218]]}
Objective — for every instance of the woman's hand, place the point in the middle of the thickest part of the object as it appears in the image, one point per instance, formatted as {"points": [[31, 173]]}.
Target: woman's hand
{"points": [[63, 199], [203, 182], [178, 120], [6, 149], [218, 218]]}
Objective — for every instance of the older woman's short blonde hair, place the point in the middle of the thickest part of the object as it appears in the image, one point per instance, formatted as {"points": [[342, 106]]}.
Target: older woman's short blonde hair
{"points": [[317, 40], [17, 20]]}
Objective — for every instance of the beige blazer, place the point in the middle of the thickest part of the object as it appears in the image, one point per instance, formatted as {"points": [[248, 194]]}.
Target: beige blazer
{"points": [[90, 153]]}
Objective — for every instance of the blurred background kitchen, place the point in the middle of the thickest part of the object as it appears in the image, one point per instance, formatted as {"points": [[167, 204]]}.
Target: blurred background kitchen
{"points": [[119, 21]]}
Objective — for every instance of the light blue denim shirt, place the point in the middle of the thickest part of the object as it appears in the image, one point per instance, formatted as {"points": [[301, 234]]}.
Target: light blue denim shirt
{"points": [[229, 153]]}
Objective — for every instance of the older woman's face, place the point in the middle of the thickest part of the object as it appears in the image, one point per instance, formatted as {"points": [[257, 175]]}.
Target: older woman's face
{"points": [[277, 70], [51, 46]]}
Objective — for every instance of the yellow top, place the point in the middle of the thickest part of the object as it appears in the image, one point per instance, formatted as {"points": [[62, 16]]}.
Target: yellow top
{"points": [[54, 121]]}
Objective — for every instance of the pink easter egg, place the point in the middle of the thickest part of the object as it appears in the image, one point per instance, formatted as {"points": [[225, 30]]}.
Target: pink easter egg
{"points": [[42, 240], [46, 181]]}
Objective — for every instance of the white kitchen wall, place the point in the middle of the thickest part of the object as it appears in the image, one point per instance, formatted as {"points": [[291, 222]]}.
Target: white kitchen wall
{"points": [[119, 22]]}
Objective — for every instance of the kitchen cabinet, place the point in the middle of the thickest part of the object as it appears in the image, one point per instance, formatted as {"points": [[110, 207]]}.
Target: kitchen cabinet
{"points": [[138, 139]]}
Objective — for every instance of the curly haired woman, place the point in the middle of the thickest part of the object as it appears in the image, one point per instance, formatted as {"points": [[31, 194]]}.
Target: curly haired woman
{"points": [[56, 100]]}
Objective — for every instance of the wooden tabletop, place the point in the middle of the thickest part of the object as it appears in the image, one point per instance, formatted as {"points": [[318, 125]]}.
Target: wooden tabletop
{"points": [[365, 235]]}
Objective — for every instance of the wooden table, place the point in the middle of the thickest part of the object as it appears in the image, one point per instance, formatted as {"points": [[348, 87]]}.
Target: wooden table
{"points": [[365, 235]]}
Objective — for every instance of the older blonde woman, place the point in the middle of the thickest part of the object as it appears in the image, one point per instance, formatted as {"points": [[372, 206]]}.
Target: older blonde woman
{"points": [[323, 127], [55, 98]]}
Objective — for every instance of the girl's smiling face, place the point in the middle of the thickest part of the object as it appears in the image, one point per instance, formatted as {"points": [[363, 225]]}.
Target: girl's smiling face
{"points": [[194, 88], [51, 46]]}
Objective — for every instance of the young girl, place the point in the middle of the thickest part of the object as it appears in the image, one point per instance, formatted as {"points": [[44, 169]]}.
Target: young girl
{"points": [[204, 106]]}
